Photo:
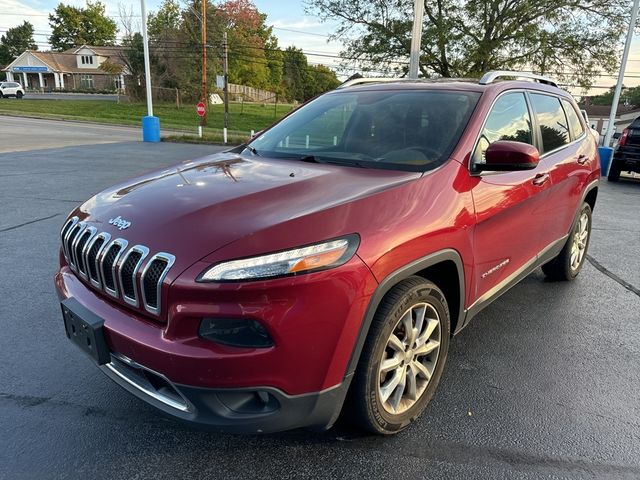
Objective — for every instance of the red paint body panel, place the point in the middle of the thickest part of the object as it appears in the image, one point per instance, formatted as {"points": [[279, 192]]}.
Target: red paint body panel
{"points": [[225, 207]]}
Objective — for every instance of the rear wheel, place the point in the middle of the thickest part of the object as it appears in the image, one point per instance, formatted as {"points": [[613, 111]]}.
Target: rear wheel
{"points": [[567, 265], [403, 358], [614, 171]]}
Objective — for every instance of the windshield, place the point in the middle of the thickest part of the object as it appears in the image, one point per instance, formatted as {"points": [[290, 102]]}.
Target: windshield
{"points": [[408, 129]]}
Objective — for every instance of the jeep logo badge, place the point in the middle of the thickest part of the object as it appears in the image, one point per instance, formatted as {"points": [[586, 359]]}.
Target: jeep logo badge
{"points": [[120, 222]]}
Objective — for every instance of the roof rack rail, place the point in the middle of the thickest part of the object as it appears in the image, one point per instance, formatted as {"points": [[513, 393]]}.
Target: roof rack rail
{"points": [[493, 75], [359, 81]]}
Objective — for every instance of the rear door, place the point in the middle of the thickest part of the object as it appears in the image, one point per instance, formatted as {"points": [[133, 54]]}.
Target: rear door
{"points": [[508, 204], [566, 155]]}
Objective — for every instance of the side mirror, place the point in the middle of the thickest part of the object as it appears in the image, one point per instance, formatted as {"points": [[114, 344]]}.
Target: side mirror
{"points": [[506, 155]]}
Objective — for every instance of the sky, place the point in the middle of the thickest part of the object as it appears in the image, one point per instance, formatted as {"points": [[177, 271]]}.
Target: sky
{"points": [[292, 25]]}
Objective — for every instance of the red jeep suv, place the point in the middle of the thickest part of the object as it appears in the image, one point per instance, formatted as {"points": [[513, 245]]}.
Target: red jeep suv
{"points": [[327, 263]]}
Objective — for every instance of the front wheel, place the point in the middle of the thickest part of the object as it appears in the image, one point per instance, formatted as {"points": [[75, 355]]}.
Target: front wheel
{"points": [[567, 265], [403, 358], [19, 95]]}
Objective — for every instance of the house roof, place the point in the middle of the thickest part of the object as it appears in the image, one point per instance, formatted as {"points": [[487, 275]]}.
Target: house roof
{"points": [[66, 61], [604, 110]]}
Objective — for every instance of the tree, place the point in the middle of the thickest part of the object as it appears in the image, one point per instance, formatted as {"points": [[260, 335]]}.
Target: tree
{"points": [[465, 38], [247, 36], [74, 26], [324, 79], [15, 41], [296, 77]]}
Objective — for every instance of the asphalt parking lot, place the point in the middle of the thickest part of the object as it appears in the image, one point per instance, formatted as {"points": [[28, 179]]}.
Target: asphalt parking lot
{"points": [[545, 383]]}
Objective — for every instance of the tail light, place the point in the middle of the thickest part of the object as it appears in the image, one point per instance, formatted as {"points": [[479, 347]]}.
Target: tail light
{"points": [[623, 137]]}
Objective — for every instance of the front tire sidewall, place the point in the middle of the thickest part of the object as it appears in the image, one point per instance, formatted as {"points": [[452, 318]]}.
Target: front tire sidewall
{"points": [[385, 422]]}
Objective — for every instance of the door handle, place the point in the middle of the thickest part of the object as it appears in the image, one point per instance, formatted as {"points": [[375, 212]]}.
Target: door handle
{"points": [[582, 159], [540, 179]]}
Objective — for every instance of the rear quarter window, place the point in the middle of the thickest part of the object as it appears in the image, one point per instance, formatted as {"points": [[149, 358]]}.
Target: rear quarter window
{"points": [[554, 128], [575, 125]]}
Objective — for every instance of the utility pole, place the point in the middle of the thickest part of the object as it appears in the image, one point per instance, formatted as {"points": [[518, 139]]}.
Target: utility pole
{"points": [[226, 86], [203, 40], [416, 38], [623, 66], [150, 124]]}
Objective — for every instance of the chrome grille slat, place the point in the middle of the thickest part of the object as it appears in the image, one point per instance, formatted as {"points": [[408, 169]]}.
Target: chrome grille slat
{"points": [[149, 305], [138, 253], [64, 233], [92, 260], [109, 271], [74, 244], [111, 266], [68, 242], [81, 251]]}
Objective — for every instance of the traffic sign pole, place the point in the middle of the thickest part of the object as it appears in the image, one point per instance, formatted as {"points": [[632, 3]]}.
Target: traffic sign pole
{"points": [[201, 110]]}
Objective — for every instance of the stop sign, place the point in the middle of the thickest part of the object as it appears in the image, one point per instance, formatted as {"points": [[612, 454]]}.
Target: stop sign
{"points": [[200, 109]]}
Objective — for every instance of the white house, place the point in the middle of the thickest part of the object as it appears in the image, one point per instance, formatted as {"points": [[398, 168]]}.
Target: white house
{"points": [[77, 68]]}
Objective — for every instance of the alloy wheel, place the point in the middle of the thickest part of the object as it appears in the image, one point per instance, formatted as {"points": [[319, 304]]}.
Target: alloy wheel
{"points": [[409, 358], [579, 245]]}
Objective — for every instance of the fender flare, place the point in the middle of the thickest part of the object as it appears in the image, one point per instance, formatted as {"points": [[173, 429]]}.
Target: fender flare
{"points": [[392, 280]]}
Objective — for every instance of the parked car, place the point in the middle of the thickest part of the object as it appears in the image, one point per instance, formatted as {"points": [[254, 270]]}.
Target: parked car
{"points": [[11, 89], [327, 264], [626, 157]]}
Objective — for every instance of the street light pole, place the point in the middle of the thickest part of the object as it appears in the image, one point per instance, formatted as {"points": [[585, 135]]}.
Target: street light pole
{"points": [[623, 66], [416, 38], [150, 124]]}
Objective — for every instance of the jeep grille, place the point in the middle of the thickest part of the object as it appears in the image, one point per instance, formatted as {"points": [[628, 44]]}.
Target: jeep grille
{"points": [[110, 266]]}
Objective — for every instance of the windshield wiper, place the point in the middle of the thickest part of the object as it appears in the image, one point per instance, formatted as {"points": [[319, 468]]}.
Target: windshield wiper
{"points": [[345, 162], [251, 149]]}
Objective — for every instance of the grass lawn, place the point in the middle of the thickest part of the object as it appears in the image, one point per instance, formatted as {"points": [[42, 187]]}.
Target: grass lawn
{"points": [[241, 120]]}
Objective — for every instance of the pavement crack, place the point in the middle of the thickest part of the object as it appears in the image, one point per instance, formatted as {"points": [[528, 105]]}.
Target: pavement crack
{"points": [[6, 229], [613, 276], [48, 199]]}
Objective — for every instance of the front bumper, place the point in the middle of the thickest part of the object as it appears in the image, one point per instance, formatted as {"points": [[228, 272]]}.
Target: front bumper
{"points": [[240, 410], [299, 382]]}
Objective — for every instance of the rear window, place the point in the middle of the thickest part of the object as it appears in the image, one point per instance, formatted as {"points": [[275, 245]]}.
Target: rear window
{"points": [[553, 123], [404, 129], [575, 125]]}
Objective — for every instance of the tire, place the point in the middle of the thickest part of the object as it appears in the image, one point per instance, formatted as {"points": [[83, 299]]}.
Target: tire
{"points": [[565, 267], [614, 171], [367, 405], [19, 95]]}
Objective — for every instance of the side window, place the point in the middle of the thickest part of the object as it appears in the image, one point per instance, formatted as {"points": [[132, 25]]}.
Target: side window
{"points": [[553, 123], [575, 125], [509, 119]]}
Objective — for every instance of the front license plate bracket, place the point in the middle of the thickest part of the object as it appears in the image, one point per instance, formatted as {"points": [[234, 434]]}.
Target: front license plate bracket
{"points": [[85, 329]]}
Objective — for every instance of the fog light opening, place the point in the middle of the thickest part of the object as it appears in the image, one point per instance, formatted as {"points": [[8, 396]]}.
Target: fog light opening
{"points": [[236, 332]]}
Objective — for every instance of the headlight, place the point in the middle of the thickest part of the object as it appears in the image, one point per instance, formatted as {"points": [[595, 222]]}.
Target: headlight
{"points": [[320, 256]]}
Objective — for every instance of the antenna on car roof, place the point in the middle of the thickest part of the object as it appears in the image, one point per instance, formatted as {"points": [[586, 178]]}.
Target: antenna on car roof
{"points": [[492, 76]]}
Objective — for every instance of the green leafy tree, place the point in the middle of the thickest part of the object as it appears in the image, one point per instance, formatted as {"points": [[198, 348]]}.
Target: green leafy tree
{"points": [[296, 76], [465, 38], [15, 41], [324, 79], [74, 26]]}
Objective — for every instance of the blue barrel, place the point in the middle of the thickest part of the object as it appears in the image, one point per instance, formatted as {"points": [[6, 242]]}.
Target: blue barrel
{"points": [[606, 153], [150, 129]]}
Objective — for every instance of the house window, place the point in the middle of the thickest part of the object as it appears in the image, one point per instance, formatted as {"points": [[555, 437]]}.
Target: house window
{"points": [[86, 81], [118, 83], [87, 59]]}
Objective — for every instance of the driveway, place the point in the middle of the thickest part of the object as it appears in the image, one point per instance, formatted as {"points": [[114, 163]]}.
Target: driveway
{"points": [[545, 383]]}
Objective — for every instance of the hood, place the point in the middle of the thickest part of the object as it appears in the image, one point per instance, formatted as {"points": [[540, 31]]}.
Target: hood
{"points": [[197, 207]]}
